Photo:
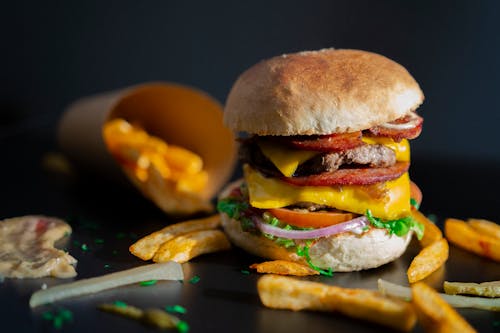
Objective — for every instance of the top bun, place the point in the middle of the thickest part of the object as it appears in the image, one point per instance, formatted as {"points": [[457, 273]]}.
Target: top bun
{"points": [[320, 92]]}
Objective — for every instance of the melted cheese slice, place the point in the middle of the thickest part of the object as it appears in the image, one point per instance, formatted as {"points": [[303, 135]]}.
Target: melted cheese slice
{"points": [[392, 203], [285, 159]]}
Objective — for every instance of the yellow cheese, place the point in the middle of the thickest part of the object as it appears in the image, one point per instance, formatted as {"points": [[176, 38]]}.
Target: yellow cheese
{"points": [[393, 203], [285, 159], [401, 148]]}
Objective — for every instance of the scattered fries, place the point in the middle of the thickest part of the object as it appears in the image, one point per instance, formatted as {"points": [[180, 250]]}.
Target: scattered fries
{"points": [[284, 267], [485, 227], [457, 301], [485, 289], [185, 247], [156, 318], [146, 247], [280, 292], [434, 313], [431, 231], [166, 271], [465, 236], [428, 260]]}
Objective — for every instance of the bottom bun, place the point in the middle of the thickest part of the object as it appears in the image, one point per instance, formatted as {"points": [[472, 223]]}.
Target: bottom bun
{"points": [[345, 252]]}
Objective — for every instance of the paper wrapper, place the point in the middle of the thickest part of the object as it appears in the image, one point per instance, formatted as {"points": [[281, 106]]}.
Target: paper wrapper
{"points": [[178, 114]]}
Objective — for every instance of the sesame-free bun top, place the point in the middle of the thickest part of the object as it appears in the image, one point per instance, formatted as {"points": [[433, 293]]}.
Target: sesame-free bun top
{"points": [[320, 92]]}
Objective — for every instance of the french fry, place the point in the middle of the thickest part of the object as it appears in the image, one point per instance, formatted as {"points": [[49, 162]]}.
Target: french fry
{"points": [[457, 301], [435, 314], [428, 260], [164, 271], [146, 247], [192, 183], [284, 267], [183, 160], [485, 289], [463, 235], [485, 227], [431, 231], [281, 292], [185, 247]]}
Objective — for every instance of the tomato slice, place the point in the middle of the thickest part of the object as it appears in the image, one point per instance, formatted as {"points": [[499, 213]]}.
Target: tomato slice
{"points": [[306, 219], [415, 193]]}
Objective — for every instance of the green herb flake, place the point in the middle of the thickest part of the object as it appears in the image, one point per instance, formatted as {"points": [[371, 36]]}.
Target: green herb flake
{"points": [[99, 241], [304, 252], [90, 225], [414, 203], [120, 304], [84, 247], [245, 272], [194, 280], [176, 309], [182, 326], [148, 283], [107, 265], [58, 318], [121, 235]]}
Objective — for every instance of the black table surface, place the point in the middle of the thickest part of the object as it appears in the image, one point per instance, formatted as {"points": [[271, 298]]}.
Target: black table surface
{"points": [[225, 299]]}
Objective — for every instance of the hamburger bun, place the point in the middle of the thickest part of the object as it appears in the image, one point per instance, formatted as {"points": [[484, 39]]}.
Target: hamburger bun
{"points": [[320, 92]]}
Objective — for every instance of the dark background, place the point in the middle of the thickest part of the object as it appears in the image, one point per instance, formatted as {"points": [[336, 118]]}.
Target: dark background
{"points": [[54, 52]]}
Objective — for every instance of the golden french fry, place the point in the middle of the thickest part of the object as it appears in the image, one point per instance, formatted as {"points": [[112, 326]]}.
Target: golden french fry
{"points": [[284, 267], [428, 260], [281, 292], [463, 235], [185, 247], [485, 289], [192, 183], [431, 231], [434, 313], [146, 247], [485, 227], [183, 160]]}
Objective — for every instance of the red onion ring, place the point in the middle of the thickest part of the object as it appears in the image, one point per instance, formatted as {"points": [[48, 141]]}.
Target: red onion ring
{"points": [[412, 121], [351, 225]]}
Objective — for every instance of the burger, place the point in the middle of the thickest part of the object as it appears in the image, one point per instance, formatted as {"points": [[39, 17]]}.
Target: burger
{"points": [[325, 154]]}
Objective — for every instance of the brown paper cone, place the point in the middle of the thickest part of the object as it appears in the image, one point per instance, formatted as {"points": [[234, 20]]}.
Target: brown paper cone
{"points": [[178, 114]]}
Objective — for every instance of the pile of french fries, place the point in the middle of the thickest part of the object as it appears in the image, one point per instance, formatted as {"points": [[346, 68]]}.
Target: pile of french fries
{"points": [[420, 301], [180, 242], [142, 155], [479, 236]]}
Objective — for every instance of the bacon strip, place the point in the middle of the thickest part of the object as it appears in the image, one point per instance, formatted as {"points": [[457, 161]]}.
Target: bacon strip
{"points": [[361, 176], [324, 143]]}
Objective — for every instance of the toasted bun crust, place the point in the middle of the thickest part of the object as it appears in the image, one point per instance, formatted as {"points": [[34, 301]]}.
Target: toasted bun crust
{"points": [[320, 92], [344, 252]]}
